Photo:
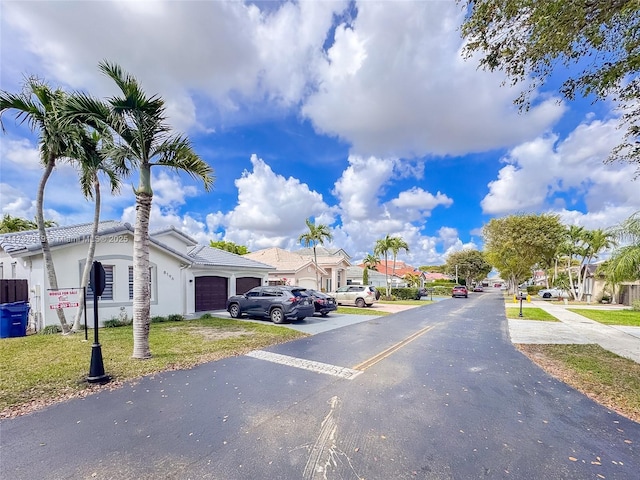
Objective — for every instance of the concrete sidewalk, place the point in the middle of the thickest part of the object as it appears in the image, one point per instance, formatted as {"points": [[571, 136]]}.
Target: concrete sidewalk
{"points": [[575, 329]]}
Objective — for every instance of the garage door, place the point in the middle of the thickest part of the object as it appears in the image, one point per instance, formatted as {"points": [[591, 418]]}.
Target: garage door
{"points": [[245, 284], [211, 293]]}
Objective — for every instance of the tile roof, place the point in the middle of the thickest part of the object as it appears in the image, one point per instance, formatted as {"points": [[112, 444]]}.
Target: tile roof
{"points": [[282, 259], [29, 241], [205, 255]]}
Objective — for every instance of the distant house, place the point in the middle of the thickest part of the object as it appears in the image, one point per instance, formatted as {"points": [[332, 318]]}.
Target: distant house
{"points": [[185, 277], [288, 268], [396, 273], [595, 287], [334, 264], [355, 273]]}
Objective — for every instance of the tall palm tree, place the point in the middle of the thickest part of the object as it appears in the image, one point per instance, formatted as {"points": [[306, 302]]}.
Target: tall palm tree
{"points": [[143, 139], [316, 234], [41, 107], [91, 164], [382, 248], [571, 247], [397, 244], [10, 224]]}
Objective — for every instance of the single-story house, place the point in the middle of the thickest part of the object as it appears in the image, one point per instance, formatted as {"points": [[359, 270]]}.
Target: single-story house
{"points": [[185, 277], [355, 272], [595, 287]]}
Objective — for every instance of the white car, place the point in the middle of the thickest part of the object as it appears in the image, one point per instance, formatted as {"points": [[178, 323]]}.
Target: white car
{"points": [[553, 293], [358, 295]]}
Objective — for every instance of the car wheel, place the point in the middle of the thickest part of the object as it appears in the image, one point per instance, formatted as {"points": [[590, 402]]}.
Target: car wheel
{"points": [[360, 302], [546, 295], [234, 310], [276, 315], [324, 314], [466, 296]]}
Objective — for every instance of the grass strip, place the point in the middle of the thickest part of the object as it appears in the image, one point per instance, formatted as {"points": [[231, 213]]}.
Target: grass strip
{"points": [[630, 318], [46, 368], [530, 313], [605, 377]]}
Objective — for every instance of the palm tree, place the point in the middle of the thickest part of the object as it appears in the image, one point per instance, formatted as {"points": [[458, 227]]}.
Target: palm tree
{"points": [[625, 261], [370, 262], [317, 234], [595, 242], [10, 224], [382, 248], [42, 109], [91, 165], [143, 140], [571, 247], [398, 244]]}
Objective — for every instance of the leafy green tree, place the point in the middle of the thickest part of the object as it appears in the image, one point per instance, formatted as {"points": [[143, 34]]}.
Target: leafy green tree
{"points": [[229, 247], [595, 42], [316, 234], [516, 243], [432, 268], [595, 241], [143, 139], [470, 265], [42, 108]]}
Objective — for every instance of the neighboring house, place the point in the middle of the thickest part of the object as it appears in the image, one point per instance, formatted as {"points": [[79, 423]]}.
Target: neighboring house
{"points": [[396, 275], [355, 272], [333, 263], [430, 277], [289, 268], [595, 287], [185, 277]]}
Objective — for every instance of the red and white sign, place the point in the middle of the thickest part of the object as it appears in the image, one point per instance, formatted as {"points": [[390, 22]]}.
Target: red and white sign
{"points": [[66, 298]]}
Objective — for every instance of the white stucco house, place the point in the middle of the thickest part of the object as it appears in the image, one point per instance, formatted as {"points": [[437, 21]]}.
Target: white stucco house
{"points": [[186, 277]]}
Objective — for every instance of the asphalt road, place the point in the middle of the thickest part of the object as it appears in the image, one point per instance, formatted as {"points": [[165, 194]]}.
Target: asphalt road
{"points": [[436, 392]]}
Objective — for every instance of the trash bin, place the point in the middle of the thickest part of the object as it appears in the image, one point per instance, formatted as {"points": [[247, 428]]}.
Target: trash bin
{"points": [[13, 319]]}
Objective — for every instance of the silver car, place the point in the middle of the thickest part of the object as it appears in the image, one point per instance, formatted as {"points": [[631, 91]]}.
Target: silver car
{"points": [[358, 295]]}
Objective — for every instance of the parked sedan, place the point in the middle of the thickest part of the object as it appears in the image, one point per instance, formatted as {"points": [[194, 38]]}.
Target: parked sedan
{"points": [[553, 293], [322, 302], [460, 291], [278, 303]]}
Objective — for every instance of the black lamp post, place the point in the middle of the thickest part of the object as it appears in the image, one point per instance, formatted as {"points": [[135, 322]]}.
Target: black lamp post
{"points": [[97, 282]]}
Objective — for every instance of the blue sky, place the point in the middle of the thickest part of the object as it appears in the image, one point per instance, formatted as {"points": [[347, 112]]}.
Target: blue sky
{"points": [[362, 115]]}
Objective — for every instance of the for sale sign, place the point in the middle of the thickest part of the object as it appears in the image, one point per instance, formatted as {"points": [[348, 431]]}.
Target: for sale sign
{"points": [[64, 298]]}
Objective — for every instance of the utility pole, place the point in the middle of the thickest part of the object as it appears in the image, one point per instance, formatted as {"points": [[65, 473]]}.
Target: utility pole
{"points": [[456, 274]]}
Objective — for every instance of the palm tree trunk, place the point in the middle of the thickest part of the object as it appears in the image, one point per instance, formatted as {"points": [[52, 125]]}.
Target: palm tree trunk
{"points": [[44, 241], [386, 274], [315, 261], [90, 254], [141, 290]]}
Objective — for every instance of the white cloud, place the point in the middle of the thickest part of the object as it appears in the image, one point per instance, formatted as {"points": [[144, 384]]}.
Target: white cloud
{"points": [[386, 89], [271, 209], [550, 174]]}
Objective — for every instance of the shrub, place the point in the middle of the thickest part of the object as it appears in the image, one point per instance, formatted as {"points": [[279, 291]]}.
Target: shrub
{"points": [[175, 317], [158, 319], [635, 306], [114, 322], [534, 289], [206, 316], [51, 330]]}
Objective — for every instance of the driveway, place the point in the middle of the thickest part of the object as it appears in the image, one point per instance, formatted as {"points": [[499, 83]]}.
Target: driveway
{"points": [[435, 392]]}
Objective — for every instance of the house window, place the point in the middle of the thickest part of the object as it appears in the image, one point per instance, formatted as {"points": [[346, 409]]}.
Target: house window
{"points": [[131, 282], [107, 294], [1, 270], [14, 265]]}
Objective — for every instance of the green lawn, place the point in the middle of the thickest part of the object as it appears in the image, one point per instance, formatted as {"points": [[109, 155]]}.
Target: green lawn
{"points": [[530, 313], [607, 378], [629, 318], [48, 367]]}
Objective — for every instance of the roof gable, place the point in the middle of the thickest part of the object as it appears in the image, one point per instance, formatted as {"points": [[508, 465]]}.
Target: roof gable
{"points": [[205, 255]]}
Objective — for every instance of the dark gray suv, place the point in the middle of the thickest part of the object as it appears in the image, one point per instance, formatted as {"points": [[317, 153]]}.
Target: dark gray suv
{"points": [[279, 303]]}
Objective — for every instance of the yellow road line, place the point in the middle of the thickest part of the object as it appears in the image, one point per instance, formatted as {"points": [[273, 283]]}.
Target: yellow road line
{"points": [[384, 354]]}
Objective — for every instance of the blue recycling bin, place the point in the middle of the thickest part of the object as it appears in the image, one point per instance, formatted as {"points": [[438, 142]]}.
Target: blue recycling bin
{"points": [[13, 319]]}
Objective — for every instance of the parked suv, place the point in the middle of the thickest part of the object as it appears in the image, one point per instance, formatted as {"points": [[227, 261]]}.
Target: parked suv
{"points": [[358, 295], [278, 303]]}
